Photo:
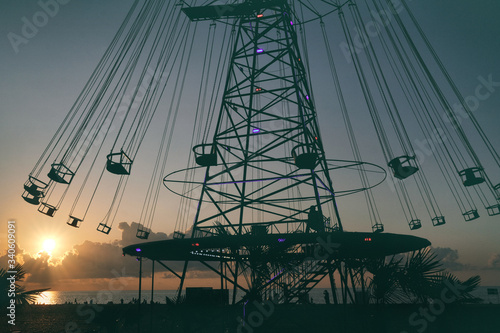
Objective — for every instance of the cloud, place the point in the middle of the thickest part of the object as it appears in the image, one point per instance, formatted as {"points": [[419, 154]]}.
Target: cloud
{"points": [[449, 258], [96, 260], [494, 261], [39, 266], [89, 260], [92, 261], [129, 231]]}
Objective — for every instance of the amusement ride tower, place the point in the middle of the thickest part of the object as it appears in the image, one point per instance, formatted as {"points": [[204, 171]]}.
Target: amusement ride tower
{"points": [[267, 209]]}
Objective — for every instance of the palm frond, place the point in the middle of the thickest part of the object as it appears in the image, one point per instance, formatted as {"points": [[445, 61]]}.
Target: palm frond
{"points": [[29, 297], [23, 296], [418, 278], [420, 275], [384, 284], [464, 289]]}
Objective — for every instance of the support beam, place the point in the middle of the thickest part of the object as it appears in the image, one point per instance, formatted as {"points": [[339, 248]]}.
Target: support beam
{"points": [[140, 295], [224, 276], [332, 284], [169, 269], [248, 8]]}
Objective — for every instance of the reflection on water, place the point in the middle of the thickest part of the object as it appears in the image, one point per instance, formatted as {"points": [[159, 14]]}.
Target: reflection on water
{"points": [[80, 297], [48, 297], [100, 297]]}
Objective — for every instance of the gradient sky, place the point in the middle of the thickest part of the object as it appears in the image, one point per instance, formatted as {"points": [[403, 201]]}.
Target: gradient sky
{"points": [[40, 82]]}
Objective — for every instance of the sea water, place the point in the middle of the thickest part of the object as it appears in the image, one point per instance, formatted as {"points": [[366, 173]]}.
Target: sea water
{"points": [[127, 296]]}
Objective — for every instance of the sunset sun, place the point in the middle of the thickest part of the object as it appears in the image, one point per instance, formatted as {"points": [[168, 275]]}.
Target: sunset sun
{"points": [[48, 245]]}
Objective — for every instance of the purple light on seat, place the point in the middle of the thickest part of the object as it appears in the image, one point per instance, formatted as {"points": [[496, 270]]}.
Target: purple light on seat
{"points": [[307, 97], [256, 130], [291, 22], [138, 250], [281, 240], [260, 50]]}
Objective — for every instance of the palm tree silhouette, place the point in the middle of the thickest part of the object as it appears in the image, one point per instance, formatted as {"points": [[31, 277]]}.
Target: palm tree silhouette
{"points": [[22, 296], [418, 278]]}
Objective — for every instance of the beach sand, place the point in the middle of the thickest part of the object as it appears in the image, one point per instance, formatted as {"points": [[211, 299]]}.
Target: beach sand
{"points": [[269, 318]]}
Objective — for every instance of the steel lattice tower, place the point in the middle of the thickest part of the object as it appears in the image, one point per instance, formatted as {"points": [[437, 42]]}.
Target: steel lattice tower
{"points": [[266, 153], [265, 167]]}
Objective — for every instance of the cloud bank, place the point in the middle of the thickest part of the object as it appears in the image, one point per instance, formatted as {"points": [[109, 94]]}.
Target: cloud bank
{"points": [[449, 259], [90, 261]]}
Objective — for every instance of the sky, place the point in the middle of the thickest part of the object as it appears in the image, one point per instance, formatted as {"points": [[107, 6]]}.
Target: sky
{"points": [[41, 78]]}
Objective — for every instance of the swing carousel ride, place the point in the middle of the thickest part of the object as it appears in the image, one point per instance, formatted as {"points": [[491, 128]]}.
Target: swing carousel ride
{"points": [[265, 194]]}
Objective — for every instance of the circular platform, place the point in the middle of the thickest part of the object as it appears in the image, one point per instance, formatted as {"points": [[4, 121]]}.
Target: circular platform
{"points": [[332, 245]]}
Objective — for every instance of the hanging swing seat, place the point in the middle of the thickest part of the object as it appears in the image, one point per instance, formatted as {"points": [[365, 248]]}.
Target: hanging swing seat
{"points": [[304, 156], [259, 230], [142, 232], [471, 215], [60, 173], [415, 224], [47, 209], [32, 199], [34, 186], [496, 188], [438, 220], [472, 176], [378, 227], [205, 155], [403, 166], [74, 222], [119, 163], [493, 210], [179, 235], [102, 227]]}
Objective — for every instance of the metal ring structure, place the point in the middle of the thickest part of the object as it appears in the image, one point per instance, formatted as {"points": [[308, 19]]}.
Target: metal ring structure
{"points": [[333, 164]]}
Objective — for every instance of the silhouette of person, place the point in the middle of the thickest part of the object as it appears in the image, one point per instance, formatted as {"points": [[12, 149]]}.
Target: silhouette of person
{"points": [[310, 218], [315, 219], [286, 294], [326, 295]]}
